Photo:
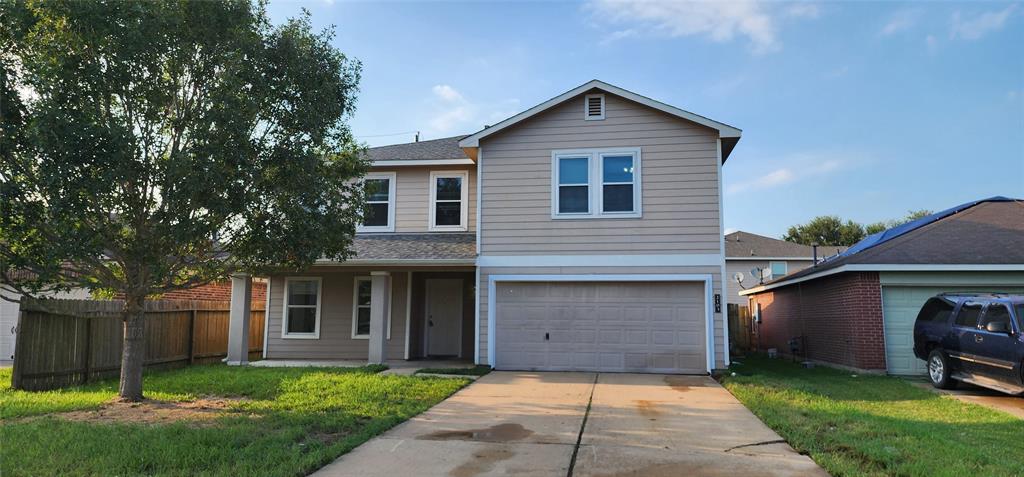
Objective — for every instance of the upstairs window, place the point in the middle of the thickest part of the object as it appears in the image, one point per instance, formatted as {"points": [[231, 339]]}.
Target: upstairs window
{"points": [[593, 107], [779, 269], [379, 213], [600, 183], [449, 196]]}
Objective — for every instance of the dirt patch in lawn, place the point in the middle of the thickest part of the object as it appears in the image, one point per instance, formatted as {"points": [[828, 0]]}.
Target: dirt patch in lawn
{"points": [[200, 412]]}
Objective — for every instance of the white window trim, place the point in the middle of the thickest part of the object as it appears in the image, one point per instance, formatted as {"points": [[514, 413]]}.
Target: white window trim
{"points": [[463, 200], [315, 335], [586, 107], [771, 268], [355, 306], [595, 169], [390, 227]]}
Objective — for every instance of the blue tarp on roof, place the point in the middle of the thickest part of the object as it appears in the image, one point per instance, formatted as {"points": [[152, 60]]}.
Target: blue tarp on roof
{"points": [[889, 234]]}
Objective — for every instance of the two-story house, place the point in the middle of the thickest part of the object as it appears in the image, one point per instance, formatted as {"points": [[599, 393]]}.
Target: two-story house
{"points": [[584, 233]]}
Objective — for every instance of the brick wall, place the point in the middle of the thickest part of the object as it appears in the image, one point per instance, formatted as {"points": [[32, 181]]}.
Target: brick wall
{"points": [[220, 291], [840, 318]]}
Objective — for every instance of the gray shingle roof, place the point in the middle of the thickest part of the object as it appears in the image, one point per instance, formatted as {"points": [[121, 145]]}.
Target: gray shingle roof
{"points": [[745, 244], [431, 246], [444, 148]]}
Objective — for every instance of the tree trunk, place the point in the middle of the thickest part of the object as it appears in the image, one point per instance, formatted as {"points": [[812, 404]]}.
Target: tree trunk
{"points": [[133, 354]]}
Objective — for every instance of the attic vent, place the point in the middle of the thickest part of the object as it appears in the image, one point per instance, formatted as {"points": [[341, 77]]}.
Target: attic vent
{"points": [[593, 107]]}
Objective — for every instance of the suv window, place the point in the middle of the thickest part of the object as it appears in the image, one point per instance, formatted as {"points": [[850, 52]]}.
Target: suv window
{"points": [[968, 315], [936, 310], [996, 313], [1020, 316]]}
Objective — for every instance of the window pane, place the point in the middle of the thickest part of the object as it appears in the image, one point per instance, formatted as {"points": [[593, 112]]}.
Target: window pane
{"points": [[996, 314], [779, 269], [449, 188], [363, 321], [573, 170], [365, 292], [448, 213], [377, 189], [618, 198], [301, 320], [618, 168], [968, 315], [1020, 316], [937, 310], [375, 215], [572, 199], [302, 292]]}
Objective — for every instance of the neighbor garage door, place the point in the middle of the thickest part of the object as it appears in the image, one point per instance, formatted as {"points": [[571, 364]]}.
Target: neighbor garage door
{"points": [[655, 327], [900, 305]]}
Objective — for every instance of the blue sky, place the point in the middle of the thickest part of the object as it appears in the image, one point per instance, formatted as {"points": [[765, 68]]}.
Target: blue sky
{"points": [[864, 110]]}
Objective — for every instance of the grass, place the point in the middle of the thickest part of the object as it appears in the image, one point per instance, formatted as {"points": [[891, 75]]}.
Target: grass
{"points": [[474, 371], [291, 422], [877, 425]]}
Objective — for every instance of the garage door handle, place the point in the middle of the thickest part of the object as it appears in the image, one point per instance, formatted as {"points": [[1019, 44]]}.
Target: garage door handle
{"points": [[547, 336]]}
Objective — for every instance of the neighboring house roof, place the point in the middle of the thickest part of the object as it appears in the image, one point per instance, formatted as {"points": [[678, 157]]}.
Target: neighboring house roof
{"points": [[745, 245], [433, 247], [422, 152], [986, 235], [729, 134]]}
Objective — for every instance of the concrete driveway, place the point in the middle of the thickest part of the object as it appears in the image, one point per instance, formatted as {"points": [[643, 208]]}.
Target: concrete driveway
{"points": [[580, 424]]}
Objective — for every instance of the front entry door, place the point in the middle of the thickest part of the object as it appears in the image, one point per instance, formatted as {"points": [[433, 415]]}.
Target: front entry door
{"points": [[444, 317]]}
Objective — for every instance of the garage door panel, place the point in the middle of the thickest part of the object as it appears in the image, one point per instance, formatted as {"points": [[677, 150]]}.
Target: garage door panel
{"points": [[900, 305], [602, 326]]}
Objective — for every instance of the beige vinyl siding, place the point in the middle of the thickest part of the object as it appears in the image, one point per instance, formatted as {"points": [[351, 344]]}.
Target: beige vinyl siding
{"points": [[486, 272], [680, 199], [335, 319], [412, 196], [749, 281]]}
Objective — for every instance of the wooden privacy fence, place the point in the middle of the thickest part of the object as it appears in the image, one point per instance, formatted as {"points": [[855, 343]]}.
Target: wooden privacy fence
{"points": [[741, 329], [67, 342]]}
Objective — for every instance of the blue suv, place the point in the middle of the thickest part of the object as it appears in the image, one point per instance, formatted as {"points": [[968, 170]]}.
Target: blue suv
{"points": [[974, 338]]}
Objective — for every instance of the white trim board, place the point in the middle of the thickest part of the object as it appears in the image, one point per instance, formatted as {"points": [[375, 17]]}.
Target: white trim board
{"points": [[423, 162], [724, 130], [266, 318], [724, 303], [809, 259], [981, 267], [675, 260], [709, 316]]}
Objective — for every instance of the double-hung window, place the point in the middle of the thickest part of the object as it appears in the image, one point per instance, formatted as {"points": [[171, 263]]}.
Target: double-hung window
{"points": [[449, 196], [779, 269], [362, 300], [599, 183], [301, 308], [379, 212]]}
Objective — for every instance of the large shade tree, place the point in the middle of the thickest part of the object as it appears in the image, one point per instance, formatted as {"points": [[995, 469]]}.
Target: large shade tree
{"points": [[153, 146]]}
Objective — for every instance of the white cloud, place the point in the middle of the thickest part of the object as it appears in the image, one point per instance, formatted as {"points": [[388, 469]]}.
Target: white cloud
{"points": [[980, 25], [453, 113], [618, 35], [797, 167], [900, 21], [718, 21]]}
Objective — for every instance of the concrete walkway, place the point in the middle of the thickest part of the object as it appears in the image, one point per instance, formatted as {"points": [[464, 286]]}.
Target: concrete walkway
{"points": [[580, 424]]}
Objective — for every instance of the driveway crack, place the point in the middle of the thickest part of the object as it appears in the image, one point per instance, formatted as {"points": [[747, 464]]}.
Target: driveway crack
{"points": [[579, 437], [754, 444]]}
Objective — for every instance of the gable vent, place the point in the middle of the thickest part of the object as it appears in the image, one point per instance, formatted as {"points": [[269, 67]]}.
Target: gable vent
{"points": [[593, 107]]}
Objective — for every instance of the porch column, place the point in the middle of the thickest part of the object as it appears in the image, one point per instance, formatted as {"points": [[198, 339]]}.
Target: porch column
{"points": [[380, 283], [238, 329]]}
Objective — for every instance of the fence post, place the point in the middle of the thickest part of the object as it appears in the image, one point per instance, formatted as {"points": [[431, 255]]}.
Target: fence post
{"points": [[88, 350], [192, 335], [19, 350]]}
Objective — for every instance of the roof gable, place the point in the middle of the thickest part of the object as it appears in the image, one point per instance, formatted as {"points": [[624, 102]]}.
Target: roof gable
{"points": [[729, 134]]}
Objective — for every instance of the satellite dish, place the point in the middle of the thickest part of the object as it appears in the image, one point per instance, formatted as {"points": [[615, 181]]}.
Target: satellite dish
{"points": [[737, 277]]}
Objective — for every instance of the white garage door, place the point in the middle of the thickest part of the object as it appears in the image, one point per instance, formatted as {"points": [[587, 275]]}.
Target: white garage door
{"points": [[655, 327], [900, 305]]}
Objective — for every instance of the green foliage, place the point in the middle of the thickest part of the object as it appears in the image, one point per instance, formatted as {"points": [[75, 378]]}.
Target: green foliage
{"points": [[153, 146], [877, 425], [292, 421], [831, 230], [826, 230]]}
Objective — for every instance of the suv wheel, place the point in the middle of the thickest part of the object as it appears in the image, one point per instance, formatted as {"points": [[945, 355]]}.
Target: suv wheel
{"points": [[938, 370]]}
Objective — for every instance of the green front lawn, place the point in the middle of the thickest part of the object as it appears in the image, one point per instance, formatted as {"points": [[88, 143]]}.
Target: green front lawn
{"points": [[877, 425], [278, 421]]}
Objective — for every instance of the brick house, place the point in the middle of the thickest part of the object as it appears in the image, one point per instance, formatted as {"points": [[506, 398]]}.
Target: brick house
{"points": [[857, 310]]}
